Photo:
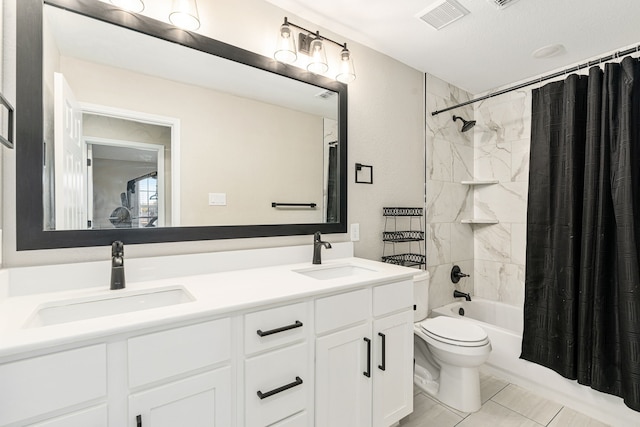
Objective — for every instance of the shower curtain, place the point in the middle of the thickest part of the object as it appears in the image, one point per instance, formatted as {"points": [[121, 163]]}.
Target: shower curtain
{"points": [[582, 284]]}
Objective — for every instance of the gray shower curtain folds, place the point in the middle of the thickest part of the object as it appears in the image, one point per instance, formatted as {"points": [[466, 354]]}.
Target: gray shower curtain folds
{"points": [[582, 284]]}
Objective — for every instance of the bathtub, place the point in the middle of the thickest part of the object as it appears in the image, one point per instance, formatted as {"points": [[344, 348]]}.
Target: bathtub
{"points": [[504, 324]]}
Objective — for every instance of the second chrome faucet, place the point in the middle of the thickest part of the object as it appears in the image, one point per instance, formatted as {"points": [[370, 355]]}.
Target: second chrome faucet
{"points": [[317, 247]]}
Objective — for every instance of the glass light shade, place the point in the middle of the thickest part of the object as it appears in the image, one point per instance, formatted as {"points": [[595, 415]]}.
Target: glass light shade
{"points": [[347, 72], [318, 64], [286, 50], [184, 14], [135, 6]]}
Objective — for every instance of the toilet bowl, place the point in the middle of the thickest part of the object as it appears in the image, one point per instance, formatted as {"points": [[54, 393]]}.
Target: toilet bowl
{"points": [[447, 354]]}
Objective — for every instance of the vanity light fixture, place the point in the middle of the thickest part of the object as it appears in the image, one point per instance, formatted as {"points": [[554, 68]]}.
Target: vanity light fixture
{"points": [[347, 72], [135, 6], [318, 64], [184, 14], [286, 50], [312, 44]]}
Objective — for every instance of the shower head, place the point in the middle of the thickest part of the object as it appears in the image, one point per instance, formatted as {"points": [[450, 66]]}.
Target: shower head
{"points": [[466, 125]]}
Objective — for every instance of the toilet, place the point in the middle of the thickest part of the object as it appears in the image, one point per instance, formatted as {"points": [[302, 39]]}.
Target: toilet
{"points": [[447, 353]]}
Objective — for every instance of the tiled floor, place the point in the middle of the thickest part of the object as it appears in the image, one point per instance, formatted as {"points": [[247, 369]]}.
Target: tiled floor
{"points": [[503, 405]]}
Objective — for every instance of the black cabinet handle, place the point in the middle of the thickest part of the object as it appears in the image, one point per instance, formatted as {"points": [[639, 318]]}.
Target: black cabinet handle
{"points": [[138, 420], [297, 382], [282, 329], [367, 373], [384, 351]]}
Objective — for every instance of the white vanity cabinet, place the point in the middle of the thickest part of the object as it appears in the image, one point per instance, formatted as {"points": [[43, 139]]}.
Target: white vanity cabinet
{"points": [[278, 376], [364, 357], [282, 350]]}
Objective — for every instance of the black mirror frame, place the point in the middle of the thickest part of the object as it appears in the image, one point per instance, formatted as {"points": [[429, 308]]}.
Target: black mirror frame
{"points": [[29, 133]]}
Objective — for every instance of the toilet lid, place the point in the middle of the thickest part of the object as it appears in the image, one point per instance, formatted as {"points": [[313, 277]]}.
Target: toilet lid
{"points": [[454, 331]]}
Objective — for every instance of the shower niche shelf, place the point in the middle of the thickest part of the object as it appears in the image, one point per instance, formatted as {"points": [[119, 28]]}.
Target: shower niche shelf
{"points": [[479, 221], [403, 236]]}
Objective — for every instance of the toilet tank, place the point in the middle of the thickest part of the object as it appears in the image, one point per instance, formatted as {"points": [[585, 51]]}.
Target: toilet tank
{"points": [[421, 295]]}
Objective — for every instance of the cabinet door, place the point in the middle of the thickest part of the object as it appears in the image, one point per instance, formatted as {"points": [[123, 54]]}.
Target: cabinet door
{"points": [[343, 391], [200, 401], [393, 368]]}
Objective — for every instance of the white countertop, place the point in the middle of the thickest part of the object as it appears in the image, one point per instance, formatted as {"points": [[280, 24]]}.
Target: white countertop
{"points": [[215, 295]]}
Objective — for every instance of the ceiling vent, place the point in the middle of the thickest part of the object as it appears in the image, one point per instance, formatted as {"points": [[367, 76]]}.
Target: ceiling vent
{"points": [[501, 4], [325, 94], [442, 14]]}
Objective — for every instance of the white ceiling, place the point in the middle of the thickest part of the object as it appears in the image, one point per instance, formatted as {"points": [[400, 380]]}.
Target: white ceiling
{"points": [[486, 49]]}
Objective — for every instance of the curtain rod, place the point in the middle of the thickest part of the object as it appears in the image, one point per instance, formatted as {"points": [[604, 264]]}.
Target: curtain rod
{"points": [[611, 57]]}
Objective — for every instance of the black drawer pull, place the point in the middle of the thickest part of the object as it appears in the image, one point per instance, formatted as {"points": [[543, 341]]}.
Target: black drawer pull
{"points": [[367, 373], [297, 382], [382, 367], [282, 329], [138, 420]]}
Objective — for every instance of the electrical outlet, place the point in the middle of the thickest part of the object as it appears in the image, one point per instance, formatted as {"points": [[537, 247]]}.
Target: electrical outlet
{"points": [[355, 232]]}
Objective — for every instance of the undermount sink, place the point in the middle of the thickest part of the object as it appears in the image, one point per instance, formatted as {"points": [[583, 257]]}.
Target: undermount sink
{"points": [[328, 272], [72, 310]]}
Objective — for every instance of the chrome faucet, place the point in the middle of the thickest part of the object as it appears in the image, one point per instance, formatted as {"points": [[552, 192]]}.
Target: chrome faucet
{"points": [[317, 248], [117, 265], [458, 294]]}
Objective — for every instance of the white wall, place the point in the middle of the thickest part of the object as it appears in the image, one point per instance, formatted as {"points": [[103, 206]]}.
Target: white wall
{"points": [[385, 129]]}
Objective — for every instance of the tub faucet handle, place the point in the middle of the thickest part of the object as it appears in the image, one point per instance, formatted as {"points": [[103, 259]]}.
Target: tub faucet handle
{"points": [[457, 274]]}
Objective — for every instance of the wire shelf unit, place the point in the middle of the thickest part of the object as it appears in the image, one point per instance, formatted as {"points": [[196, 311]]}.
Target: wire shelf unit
{"points": [[403, 229]]}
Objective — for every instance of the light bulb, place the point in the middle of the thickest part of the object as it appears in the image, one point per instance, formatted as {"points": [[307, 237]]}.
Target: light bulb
{"points": [[184, 14]]}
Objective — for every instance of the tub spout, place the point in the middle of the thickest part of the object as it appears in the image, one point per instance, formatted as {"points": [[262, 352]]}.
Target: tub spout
{"points": [[458, 294]]}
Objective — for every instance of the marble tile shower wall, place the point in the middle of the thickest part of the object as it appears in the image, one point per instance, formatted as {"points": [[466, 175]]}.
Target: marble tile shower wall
{"points": [[501, 152], [450, 158]]}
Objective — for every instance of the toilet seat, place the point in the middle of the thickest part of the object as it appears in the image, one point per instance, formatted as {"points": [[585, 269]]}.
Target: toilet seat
{"points": [[453, 331]]}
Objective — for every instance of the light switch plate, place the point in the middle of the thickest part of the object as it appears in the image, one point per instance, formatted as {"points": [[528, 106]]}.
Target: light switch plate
{"points": [[217, 199]]}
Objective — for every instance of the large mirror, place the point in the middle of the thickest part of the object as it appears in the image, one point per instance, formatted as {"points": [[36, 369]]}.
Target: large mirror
{"points": [[145, 133]]}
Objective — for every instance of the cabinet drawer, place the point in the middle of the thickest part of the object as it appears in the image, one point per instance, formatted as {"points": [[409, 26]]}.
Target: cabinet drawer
{"points": [[297, 420], [274, 327], [43, 384], [160, 355], [342, 310], [282, 377], [392, 297]]}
